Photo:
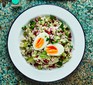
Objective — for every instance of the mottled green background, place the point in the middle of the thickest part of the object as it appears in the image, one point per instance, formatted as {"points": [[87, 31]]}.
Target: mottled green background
{"points": [[82, 9]]}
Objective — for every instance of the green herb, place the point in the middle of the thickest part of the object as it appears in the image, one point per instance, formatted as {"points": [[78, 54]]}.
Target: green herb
{"points": [[24, 28], [53, 42], [59, 63], [52, 17], [39, 19], [67, 33], [32, 23], [71, 46], [61, 26], [32, 27], [47, 39], [67, 28]]}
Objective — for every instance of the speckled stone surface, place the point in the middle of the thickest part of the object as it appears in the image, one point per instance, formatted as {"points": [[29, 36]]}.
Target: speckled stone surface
{"points": [[83, 75]]}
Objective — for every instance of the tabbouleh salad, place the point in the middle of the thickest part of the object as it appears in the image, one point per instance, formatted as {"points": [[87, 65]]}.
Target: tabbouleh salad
{"points": [[46, 42]]}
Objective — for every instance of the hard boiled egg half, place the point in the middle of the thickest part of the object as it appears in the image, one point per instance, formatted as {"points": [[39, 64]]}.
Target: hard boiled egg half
{"points": [[40, 41], [54, 49]]}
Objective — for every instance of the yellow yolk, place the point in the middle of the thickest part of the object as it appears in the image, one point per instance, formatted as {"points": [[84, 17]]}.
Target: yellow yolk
{"points": [[39, 43], [51, 50]]}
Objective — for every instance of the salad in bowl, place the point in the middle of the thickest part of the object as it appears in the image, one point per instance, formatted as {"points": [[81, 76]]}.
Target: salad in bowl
{"points": [[46, 42]]}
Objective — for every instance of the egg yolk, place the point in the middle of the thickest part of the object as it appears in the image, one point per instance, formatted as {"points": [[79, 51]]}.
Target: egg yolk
{"points": [[51, 50], [39, 43]]}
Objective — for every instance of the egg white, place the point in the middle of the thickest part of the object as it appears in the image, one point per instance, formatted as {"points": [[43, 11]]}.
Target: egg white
{"points": [[43, 35]]}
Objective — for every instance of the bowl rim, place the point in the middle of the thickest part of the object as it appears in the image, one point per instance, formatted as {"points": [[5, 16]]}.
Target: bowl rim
{"points": [[55, 6]]}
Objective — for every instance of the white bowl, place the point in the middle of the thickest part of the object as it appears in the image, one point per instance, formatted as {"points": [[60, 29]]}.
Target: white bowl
{"points": [[15, 35]]}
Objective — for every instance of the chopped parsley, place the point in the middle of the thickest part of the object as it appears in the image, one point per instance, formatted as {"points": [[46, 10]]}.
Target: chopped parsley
{"points": [[47, 39], [24, 28], [61, 26], [52, 17]]}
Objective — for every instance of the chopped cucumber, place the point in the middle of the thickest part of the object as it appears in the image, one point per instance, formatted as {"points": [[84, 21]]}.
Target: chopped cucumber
{"points": [[43, 54], [29, 59]]}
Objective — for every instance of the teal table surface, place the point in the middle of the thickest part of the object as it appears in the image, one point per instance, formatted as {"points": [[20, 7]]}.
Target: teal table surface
{"points": [[82, 9]]}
